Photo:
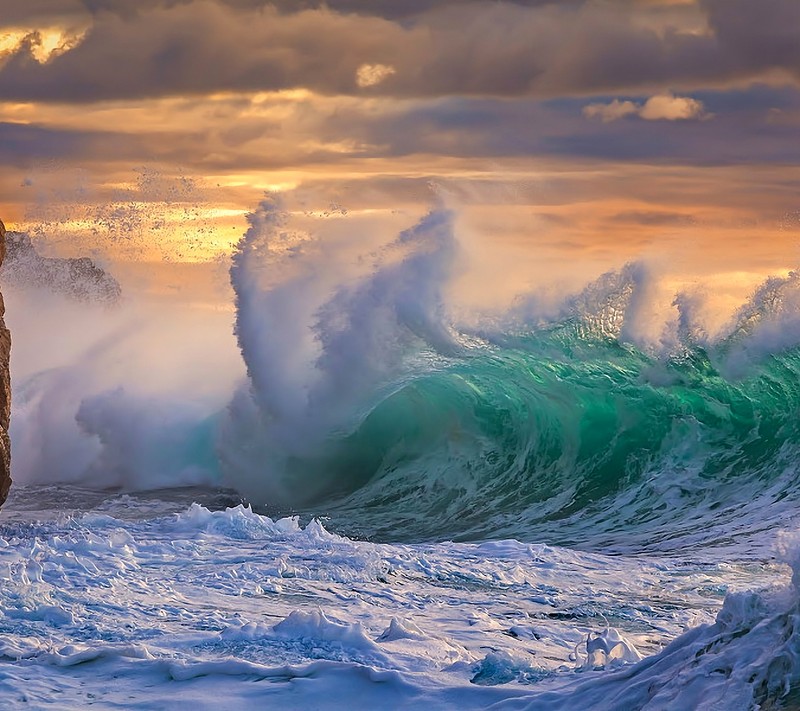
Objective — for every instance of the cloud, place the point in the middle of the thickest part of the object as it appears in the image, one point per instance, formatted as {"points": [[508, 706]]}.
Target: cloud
{"points": [[21, 145], [654, 218], [289, 131], [373, 74], [672, 108], [42, 44], [661, 107], [173, 47], [611, 112], [15, 12], [204, 48]]}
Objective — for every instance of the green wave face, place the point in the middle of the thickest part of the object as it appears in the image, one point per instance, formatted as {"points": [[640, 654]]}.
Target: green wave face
{"points": [[576, 440], [400, 424]]}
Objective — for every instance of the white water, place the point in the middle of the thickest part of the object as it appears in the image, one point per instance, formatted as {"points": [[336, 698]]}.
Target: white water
{"points": [[319, 342], [125, 605]]}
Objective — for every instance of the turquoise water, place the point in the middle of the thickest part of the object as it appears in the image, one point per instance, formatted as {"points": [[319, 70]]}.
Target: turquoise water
{"points": [[572, 438]]}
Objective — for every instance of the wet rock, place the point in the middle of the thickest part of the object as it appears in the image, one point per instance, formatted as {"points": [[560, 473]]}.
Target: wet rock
{"points": [[5, 388]]}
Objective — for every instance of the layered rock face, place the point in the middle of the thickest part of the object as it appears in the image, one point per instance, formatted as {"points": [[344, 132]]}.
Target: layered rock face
{"points": [[78, 279], [5, 388]]}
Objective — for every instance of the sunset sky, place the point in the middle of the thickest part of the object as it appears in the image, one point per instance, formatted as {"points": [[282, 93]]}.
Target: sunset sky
{"points": [[572, 131]]}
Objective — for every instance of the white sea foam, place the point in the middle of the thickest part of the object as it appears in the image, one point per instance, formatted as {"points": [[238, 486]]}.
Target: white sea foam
{"points": [[201, 605]]}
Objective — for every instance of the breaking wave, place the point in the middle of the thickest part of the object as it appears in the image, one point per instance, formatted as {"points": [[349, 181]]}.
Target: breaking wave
{"points": [[366, 401]]}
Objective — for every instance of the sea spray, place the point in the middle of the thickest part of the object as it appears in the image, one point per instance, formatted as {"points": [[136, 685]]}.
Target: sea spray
{"points": [[321, 354], [364, 398], [91, 386], [569, 429]]}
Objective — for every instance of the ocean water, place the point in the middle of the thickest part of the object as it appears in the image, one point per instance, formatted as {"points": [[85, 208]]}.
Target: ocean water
{"points": [[360, 501]]}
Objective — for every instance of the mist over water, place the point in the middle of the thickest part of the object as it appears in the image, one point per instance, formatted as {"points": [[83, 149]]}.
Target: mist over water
{"points": [[340, 377], [117, 397]]}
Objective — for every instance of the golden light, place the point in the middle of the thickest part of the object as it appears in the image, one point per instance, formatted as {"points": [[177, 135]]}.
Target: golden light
{"points": [[44, 43]]}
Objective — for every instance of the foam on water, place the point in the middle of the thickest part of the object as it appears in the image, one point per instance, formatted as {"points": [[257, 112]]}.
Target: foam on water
{"points": [[164, 610]]}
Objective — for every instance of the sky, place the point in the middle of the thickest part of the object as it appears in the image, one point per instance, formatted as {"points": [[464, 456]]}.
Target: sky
{"points": [[573, 135]]}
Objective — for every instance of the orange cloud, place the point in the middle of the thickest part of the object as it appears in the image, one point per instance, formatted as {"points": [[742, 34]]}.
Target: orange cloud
{"points": [[661, 107]]}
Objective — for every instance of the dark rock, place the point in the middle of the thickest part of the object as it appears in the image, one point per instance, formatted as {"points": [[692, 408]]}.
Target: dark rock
{"points": [[5, 388], [79, 279]]}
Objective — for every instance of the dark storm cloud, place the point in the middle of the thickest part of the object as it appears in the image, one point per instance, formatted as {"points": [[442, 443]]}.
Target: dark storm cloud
{"points": [[25, 146], [393, 9], [200, 48], [14, 11], [758, 126], [22, 145], [750, 130], [469, 128], [471, 48]]}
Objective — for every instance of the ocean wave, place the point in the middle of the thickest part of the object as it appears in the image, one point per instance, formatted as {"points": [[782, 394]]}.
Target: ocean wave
{"points": [[367, 401], [569, 426]]}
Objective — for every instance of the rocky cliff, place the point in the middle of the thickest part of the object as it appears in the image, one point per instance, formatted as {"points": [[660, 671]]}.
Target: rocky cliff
{"points": [[5, 388]]}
